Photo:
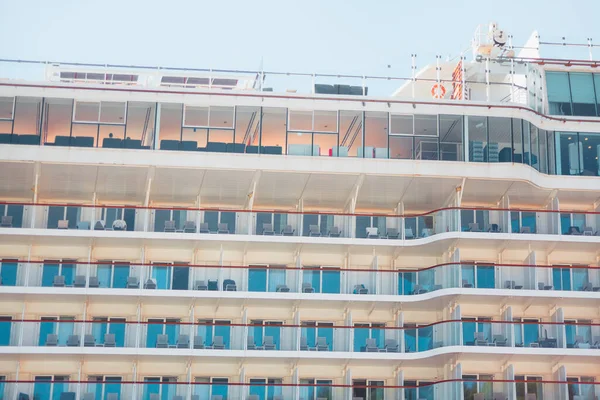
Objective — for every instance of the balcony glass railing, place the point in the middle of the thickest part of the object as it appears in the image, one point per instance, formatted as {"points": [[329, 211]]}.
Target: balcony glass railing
{"points": [[176, 334], [467, 387], [316, 225], [284, 279]]}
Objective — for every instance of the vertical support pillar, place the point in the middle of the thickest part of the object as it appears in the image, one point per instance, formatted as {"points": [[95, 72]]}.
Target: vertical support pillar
{"points": [[135, 378], [590, 48], [463, 79], [78, 391], [466, 138], [22, 324], [487, 79], [35, 196], [414, 73], [198, 212]]}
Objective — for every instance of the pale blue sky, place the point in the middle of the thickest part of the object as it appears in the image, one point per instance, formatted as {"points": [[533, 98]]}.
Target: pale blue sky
{"points": [[348, 36]]}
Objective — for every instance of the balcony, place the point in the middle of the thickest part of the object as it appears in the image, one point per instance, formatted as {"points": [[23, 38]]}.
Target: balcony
{"points": [[466, 387], [69, 276], [177, 336], [269, 223]]}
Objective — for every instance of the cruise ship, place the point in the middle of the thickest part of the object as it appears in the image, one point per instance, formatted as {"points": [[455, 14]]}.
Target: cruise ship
{"points": [[200, 234]]}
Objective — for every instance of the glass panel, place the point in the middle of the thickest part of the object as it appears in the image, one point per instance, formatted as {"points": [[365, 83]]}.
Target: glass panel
{"points": [[485, 277], [41, 390], [403, 124], [580, 278], [526, 142], [117, 327], [57, 121], [276, 279], [468, 275], [246, 127], [140, 124], [425, 338], [530, 332], [257, 388], [325, 121], [362, 223], [500, 139], [559, 93], [27, 116], [477, 139], [99, 329], [220, 387], [170, 125], [401, 147], [161, 275], [469, 329], [221, 117], [153, 387], [582, 92], [5, 329], [55, 214], [569, 154], [181, 277], [406, 282], [160, 218], [528, 219], [326, 145], [590, 154], [410, 339], [300, 120], [331, 281], [360, 337], [196, 116], [6, 107], [257, 280], [112, 112], [223, 329], [8, 273], [451, 137], [65, 329], [351, 132], [273, 133], [87, 111], [426, 279], [155, 328], [47, 327], [229, 219], [533, 156], [120, 275], [426, 125], [49, 271], [212, 219], [376, 135], [426, 148], [68, 271]]}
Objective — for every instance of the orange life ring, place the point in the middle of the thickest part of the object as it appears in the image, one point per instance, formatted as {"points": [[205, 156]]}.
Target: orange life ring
{"points": [[438, 91]]}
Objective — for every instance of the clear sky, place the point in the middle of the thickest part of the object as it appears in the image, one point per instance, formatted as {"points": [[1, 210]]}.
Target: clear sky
{"points": [[343, 36]]}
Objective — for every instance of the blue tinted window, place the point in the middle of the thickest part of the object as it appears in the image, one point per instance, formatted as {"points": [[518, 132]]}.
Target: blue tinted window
{"points": [[154, 329], [272, 329], [559, 93], [153, 387], [161, 275], [160, 217], [223, 329], [406, 282], [326, 333], [47, 327], [531, 333], [257, 280], [468, 275], [48, 274], [528, 219], [181, 276], [65, 329], [427, 279], [425, 338], [112, 385], [561, 278], [42, 388], [257, 388], [117, 327], [5, 329], [582, 93], [8, 273], [172, 331], [103, 272], [99, 329], [16, 212], [486, 277], [276, 278], [120, 275], [362, 223], [565, 223], [360, 336], [410, 340], [309, 332], [68, 271], [331, 281], [220, 387], [469, 329], [55, 214], [580, 278], [229, 219]]}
